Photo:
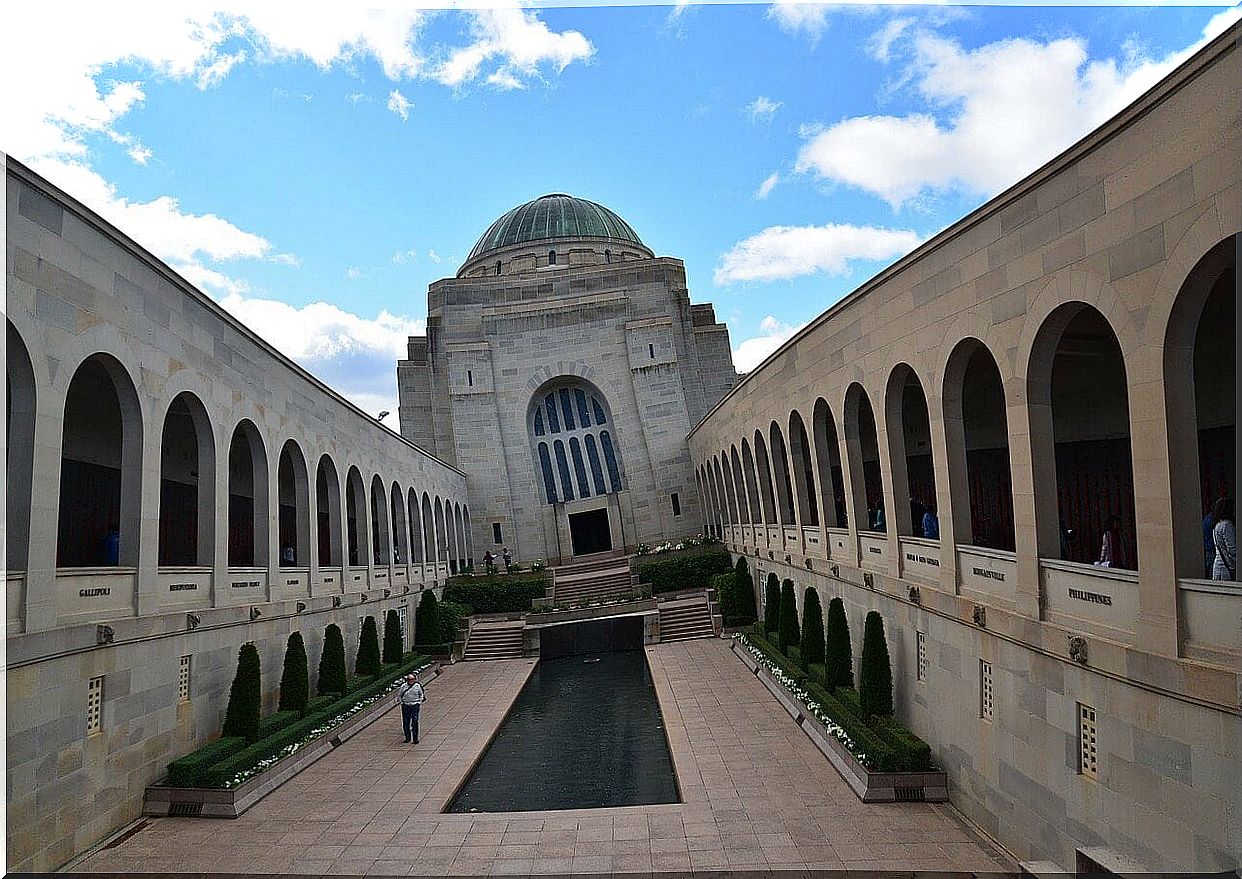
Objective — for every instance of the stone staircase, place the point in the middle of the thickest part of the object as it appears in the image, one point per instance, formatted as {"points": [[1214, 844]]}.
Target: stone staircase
{"points": [[494, 639], [597, 579], [686, 618]]}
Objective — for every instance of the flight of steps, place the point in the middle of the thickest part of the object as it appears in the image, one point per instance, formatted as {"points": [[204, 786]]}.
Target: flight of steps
{"points": [[500, 639], [683, 619], [597, 579]]}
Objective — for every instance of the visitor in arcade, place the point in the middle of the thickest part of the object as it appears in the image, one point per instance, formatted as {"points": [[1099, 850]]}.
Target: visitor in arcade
{"points": [[1225, 539]]}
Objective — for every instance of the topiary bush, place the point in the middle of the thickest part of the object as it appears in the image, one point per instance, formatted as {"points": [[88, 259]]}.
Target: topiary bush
{"points": [[451, 616], [242, 716], [744, 594], [427, 620], [332, 663], [838, 655], [693, 569], [295, 678], [811, 650], [772, 605], [368, 662], [875, 674], [788, 634], [394, 649]]}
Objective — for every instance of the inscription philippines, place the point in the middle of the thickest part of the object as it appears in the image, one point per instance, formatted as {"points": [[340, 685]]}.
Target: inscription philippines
{"points": [[1092, 597]]}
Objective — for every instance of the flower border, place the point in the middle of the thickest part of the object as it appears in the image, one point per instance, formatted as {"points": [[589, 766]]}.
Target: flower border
{"points": [[813, 708], [316, 733]]}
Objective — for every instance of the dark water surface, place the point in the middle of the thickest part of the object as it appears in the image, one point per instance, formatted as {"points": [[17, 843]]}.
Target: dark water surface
{"points": [[585, 732]]}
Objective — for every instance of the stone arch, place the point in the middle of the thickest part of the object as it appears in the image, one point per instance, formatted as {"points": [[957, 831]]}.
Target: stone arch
{"points": [[328, 512], [908, 425], [22, 403], [356, 518], [248, 515], [828, 463], [743, 499], [804, 476], [978, 455], [414, 520], [293, 506], [381, 533], [430, 547], [763, 466], [863, 457], [187, 512], [780, 475], [752, 489], [400, 530]]}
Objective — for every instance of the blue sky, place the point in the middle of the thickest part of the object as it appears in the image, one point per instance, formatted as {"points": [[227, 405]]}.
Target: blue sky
{"points": [[314, 169]]}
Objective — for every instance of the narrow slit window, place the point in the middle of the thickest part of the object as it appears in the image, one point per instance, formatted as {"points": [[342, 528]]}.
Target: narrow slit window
{"points": [[676, 504], [94, 705], [651, 351], [551, 257], [183, 680], [496, 535]]}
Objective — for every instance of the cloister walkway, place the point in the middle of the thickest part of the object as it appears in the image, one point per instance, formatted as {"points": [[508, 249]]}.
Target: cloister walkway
{"points": [[757, 795]]}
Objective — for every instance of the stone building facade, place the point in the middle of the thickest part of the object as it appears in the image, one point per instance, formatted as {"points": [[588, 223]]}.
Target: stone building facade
{"points": [[950, 444], [175, 488], [561, 371]]}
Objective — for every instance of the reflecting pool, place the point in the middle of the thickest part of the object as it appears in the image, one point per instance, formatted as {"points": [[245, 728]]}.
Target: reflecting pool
{"points": [[585, 732]]}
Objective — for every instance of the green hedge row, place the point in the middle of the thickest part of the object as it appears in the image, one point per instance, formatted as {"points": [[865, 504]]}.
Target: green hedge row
{"points": [[215, 763], [889, 746], [694, 570], [497, 594]]}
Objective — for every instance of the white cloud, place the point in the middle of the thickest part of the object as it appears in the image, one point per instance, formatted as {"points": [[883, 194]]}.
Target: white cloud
{"points": [[766, 187], [140, 154], [882, 41], [353, 354], [353, 273], [399, 104], [779, 253], [762, 108], [433, 256], [796, 17], [753, 351], [402, 257], [517, 42], [993, 114]]}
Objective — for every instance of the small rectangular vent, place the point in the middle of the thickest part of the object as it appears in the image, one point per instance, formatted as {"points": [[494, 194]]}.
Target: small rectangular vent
{"points": [[985, 689], [909, 794], [1088, 755], [94, 705], [185, 810], [921, 667]]}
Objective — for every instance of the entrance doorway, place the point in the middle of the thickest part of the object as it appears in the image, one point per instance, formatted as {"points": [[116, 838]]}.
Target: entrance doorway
{"points": [[589, 532]]}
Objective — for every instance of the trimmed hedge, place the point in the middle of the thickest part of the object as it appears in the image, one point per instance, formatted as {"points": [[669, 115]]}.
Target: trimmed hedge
{"points": [[875, 673], [692, 570], [188, 771], [427, 620], [218, 774], [772, 605], [838, 655], [812, 647], [241, 718], [744, 611], [889, 746], [332, 662], [295, 678], [497, 593], [368, 663], [789, 633], [451, 616], [394, 649]]}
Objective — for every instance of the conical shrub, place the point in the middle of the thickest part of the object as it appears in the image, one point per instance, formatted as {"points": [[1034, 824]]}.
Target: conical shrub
{"points": [[771, 605], [789, 635], [812, 648], [838, 655], [241, 718], [745, 593], [295, 679], [875, 674], [393, 646], [332, 663], [427, 620], [368, 662]]}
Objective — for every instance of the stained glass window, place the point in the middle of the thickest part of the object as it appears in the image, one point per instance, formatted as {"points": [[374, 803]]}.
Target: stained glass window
{"points": [[562, 467], [567, 409], [597, 471], [610, 459], [575, 452], [545, 464], [554, 423], [584, 417]]}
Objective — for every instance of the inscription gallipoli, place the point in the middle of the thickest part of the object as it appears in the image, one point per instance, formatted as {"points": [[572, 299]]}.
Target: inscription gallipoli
{"points": [[96, 591], [988, 575], [1092, 597]]}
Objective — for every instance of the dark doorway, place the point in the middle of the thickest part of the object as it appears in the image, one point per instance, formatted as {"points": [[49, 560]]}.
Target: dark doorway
{"points": [[589, 532]]}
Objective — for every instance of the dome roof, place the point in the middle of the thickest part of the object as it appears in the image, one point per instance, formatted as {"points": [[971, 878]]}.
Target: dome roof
{"points": [[553, 216]]}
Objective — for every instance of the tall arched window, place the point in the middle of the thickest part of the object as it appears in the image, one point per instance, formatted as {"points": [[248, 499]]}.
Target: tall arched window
{"points": [[572, 448]]}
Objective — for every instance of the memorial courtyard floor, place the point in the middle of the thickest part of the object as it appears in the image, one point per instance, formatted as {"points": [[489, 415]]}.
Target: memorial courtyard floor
{"points": [[756, 794]]}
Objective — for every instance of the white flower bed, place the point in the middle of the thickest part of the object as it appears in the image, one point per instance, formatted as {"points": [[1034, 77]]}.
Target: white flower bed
{"points": [[812, 707], [671, 546], [317, 732]]}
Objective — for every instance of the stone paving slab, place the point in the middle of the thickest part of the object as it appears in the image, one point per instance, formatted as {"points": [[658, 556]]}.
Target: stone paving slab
{"points": [[756, 796]]}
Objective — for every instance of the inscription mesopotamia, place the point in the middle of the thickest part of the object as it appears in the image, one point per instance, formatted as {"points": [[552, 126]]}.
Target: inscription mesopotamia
{"points": [[1092, 597], [182, 587]]}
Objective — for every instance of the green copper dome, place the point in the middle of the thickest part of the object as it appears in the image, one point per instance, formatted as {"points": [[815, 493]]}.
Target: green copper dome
{"points": [[554, 216]]}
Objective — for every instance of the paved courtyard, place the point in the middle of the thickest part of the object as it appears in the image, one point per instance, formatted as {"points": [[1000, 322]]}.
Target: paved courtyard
{"points": [[757, 796]]}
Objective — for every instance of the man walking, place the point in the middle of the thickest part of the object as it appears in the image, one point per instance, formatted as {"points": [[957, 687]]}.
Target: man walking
{"points": [[411, 696], [508, 557]]}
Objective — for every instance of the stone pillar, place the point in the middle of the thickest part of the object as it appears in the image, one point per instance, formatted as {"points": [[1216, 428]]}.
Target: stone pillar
{"points": [[148, 598], [1032, 467], [40, 600], [855, 483], [219, 550], [952, 492]]}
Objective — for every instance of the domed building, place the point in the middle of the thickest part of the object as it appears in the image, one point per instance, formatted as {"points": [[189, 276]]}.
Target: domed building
{"points": [[562, 370]]}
